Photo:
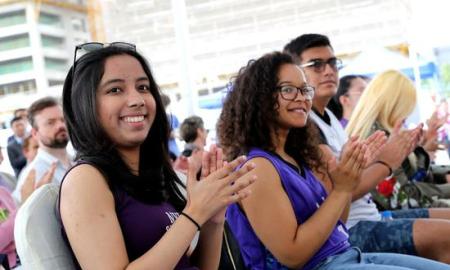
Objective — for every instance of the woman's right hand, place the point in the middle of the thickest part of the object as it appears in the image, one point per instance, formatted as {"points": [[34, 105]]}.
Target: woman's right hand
{"points": [[345, 173], [217, 190]]}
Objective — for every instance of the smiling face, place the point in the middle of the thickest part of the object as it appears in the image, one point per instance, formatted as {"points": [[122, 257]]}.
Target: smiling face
{"points": [[125, 106], [292, 113], [326, 81]]}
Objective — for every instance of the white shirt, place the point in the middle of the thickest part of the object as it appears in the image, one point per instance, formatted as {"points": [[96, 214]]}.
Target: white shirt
{"points": [[41, 163], [335, 134], [364, 208]]}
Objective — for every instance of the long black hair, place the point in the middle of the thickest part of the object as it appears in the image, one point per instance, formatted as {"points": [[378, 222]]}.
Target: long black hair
{"points": [[157, 181], [249, 114], [344, 85]]}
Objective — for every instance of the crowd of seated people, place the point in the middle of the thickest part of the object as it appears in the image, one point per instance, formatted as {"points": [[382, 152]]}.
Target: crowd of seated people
{"points": [[288, 160]]}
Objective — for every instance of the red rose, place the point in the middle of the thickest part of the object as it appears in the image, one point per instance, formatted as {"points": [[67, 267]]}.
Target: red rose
{"points": [[386, 187]]}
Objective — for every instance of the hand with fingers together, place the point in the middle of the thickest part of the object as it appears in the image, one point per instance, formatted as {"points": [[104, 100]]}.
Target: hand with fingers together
{"points": [[220, 185], [345, 173], [30, 184], [399, 145], [375, 144]]}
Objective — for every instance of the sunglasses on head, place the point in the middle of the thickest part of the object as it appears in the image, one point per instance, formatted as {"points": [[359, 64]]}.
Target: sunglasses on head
{"points": [[93, 46]]}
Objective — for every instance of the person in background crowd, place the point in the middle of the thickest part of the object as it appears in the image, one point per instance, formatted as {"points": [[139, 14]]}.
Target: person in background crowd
{"points": [[49, 129], [23, 114], [391, 98], [6, 180], [123, 190], [192, 130], [15, 155], [293, 220], [29, 148], [348, 93], [8, 212], [174, 123], [314, 53]]}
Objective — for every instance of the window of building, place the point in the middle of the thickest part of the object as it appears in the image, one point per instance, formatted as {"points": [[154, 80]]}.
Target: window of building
{"points": [[50, 19], [203, 92], [12, 18], [52, 42], [79, 24], [18, 87], [56, 64], [14, 42], [55, 82], [16, 65]]}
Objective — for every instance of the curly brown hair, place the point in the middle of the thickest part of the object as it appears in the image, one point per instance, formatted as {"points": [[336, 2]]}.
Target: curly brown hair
{"points": [[250, 112]]}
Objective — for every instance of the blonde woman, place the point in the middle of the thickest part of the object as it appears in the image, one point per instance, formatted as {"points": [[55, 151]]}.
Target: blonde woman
{"points": [[388, 99]]}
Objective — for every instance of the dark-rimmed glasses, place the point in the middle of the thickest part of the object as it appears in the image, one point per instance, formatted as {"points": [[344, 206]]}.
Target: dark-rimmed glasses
{"points": [[93, 46], [290, 92], [318, 65]]}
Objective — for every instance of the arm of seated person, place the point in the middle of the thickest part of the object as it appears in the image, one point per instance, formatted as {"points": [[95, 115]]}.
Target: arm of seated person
{"points": [[291, 243], [324, 177]]}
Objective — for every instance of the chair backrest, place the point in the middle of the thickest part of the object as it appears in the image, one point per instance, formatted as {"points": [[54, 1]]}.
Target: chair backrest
{"points": [[37, 232]]}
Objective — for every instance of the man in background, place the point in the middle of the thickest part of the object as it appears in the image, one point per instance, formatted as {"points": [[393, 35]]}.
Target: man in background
{"points": [[49, 129], [15, 154]]}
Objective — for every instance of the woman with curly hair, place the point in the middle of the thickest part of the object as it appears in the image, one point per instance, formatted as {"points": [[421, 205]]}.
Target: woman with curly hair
{"points": [[292, 219]]}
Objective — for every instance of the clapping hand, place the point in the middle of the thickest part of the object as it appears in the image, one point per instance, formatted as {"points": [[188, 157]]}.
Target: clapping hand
{"points": [[220, 185], [30, 184], [345, 173]]}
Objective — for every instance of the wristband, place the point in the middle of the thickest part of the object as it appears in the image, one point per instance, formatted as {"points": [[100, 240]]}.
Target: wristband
{"points": [[391, 172], [191, 219]]}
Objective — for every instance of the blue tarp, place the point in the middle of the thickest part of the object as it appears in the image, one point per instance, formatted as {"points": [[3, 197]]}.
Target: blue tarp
{"points": [[212, 101], [375, 60]]}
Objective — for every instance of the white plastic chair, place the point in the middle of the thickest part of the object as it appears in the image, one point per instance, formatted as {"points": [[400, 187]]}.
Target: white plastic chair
{"points": [[37, 233]]}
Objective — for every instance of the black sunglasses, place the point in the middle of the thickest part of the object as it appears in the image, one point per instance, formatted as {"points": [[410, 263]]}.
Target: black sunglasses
{"points": [[93, 46]]}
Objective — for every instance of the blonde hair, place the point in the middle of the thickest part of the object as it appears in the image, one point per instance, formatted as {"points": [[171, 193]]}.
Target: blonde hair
{"points": [[389, 97]]}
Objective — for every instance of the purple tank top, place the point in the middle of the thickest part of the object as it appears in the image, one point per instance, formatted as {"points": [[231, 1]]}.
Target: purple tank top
{"points": [[142, 225], [306, 195]]}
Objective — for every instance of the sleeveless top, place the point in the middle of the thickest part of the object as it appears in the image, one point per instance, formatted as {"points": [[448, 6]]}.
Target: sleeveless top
{"points": [[142, 224], [306, 195]]}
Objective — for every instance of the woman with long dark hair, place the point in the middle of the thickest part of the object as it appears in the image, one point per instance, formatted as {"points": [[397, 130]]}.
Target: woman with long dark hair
{"points": [[121, 206]]}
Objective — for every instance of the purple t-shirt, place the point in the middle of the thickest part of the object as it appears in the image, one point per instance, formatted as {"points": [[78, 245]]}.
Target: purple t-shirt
{"points": [[306, 195], [142, 225]]}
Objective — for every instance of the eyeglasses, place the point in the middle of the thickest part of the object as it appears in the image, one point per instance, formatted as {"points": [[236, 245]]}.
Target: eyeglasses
{"points": [[319, 65], [289, 92], [93, 46]]}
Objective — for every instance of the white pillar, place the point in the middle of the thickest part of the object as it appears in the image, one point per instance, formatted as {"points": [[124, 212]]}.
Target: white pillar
{"points": [[186, 66], [36, 48]]}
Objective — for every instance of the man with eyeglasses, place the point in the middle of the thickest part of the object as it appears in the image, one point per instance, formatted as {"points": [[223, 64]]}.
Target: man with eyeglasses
{"points": [[408, 232]]}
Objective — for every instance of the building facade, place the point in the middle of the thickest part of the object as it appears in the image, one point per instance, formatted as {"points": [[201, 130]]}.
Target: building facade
{"points": [[36, 48], [224, 34]]}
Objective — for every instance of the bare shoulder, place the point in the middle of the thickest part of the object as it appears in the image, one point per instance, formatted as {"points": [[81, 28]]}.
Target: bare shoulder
{"points": [[85, 184], [266, 173], [84, 175]]}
